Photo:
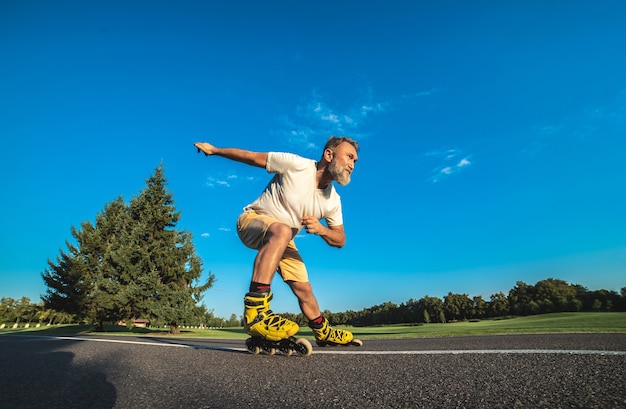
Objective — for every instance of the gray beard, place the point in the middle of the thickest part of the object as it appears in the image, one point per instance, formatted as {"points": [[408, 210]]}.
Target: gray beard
{"points": [[341, 175]]}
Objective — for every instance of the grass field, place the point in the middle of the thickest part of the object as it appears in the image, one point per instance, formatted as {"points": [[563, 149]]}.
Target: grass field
{"points": [[547, 323]]}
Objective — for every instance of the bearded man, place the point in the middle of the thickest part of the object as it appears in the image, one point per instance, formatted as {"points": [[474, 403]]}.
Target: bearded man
{"points": [[300, 194]]}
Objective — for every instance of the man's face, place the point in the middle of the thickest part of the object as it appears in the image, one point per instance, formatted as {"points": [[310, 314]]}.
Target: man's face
{"points": [[342, 164]]}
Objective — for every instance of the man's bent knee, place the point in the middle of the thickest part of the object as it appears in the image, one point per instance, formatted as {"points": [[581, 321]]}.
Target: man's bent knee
{"points": [[279, 232]]}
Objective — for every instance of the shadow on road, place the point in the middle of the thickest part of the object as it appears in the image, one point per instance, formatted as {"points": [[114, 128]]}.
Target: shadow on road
{"points": [[37, 373]]}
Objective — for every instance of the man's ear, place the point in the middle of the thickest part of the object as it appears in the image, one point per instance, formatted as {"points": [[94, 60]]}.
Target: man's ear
{"points": [[328, 154]]}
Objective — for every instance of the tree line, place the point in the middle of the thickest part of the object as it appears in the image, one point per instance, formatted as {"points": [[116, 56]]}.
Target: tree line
{"points": [[24, 311], [546, 296], [21, 312]]}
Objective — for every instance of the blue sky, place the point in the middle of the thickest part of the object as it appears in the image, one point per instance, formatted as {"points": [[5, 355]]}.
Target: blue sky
{"points": [[492, 135]]}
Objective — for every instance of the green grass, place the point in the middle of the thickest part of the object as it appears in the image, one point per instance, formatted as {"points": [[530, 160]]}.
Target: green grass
{"points": [[536, 324]]}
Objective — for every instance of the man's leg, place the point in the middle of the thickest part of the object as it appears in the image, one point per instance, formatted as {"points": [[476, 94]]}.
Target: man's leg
{"points": [[266, 262], [271, 239], [306, 299], [294, 273], [323, 331]]}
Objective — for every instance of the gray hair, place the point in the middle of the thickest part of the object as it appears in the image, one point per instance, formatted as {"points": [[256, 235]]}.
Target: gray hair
{"points": [[335, 141]]}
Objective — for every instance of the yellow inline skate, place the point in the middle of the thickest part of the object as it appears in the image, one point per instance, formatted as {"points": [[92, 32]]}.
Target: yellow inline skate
{"points": [[327, 335], [270, 332]]}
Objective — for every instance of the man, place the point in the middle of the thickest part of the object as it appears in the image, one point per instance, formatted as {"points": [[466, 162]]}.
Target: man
{"points": [[300, 194]]}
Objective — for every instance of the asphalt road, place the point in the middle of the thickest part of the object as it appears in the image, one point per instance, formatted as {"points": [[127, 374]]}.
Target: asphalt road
{"points": [[526, 371]]}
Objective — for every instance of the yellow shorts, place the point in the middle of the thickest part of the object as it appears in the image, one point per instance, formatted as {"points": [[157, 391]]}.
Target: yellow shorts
{"points": [[252, 228]]}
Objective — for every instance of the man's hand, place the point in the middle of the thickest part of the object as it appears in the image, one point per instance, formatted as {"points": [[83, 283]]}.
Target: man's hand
{"points": [[205, 147], [313, 226], [251, 158], [333, 235]]}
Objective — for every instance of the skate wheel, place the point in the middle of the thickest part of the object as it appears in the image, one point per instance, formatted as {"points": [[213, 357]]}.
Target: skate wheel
{"points": [[252, 348], [357, 342], [270, 351], [304, 347], [286, 348]]}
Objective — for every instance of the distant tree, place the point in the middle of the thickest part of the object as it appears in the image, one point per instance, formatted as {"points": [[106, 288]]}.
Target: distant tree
{"points": [[23, 310], [362, 318], [433, 306], [597, 305], [479, 307], [621, 304], [554, 295], [520, 298], [45, 314], [498, 305], [342, 318], [457, 306], [451, 307], [7, 309], [409, 312], [603, 300], [233, 321], [385, 313], [349, 317]]}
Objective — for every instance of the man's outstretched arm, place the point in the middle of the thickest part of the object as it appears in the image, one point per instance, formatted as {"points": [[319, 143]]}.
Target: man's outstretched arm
{"points": [[240, 155]]}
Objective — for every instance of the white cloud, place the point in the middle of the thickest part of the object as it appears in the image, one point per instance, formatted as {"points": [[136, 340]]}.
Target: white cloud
{"points": [[447, 169], [223, 229], [215, 182], [227, 181], [315, 120]]}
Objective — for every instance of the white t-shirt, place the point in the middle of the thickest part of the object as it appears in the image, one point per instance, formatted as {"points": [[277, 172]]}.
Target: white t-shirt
{"points": [[292, 193]]}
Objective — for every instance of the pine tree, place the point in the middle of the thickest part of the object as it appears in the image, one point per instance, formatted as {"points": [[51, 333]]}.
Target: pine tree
{"points": [[132, 263], [165, 267]]}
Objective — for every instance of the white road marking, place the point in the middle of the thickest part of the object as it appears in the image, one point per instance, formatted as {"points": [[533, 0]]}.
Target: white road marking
{"points": [[351, 350], [478, 351]]}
